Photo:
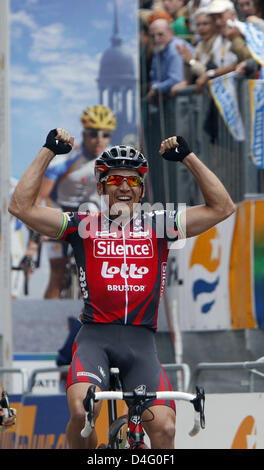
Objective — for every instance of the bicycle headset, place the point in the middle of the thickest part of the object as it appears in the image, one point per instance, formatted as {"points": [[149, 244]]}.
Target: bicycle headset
{"points": [[123, 157]]}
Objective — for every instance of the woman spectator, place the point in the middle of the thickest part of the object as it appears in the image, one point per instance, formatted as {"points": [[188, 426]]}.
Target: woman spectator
{"points": [[202, 59]]}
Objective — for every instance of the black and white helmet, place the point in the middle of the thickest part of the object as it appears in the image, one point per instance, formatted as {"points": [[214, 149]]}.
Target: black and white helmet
{"points": [[123, 157]]}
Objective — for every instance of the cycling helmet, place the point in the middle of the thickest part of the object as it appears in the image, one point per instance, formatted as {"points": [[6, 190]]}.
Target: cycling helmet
{"points": [[98, 117], [123, 157]]}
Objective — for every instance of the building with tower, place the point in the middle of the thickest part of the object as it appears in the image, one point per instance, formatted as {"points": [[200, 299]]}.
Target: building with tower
{"points": [[118, 86]]}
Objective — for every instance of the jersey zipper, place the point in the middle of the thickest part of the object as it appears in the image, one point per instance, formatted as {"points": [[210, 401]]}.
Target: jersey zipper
{"points": [[125, 275]]}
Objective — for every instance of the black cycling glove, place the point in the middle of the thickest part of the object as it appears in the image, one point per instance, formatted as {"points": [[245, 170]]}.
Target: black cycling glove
{"points": [[55, 145], [179, 153]]}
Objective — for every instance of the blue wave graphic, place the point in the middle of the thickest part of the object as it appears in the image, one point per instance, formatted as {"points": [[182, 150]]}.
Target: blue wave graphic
{"points": [[200, 287], [206, 307]]}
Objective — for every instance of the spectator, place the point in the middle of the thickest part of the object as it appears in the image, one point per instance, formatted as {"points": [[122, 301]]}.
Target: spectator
{"points": [[191, 8], [229, 48], [176, 9], [159, 14], [145, 4], [249, 12], [259, 8], [257, 15], [146, 7], [245, 8], [146, 54], [167, 68], [202, 59]]}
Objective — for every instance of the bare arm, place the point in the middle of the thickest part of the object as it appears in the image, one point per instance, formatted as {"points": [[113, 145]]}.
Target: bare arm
{"points": [[205, 77], [218, 204], [23, 204], [47, 186]]}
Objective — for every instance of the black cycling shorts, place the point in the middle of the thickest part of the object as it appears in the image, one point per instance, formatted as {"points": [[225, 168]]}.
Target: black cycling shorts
{"points": [[132, 349]]}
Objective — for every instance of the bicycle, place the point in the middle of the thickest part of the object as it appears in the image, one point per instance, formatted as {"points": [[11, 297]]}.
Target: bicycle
{"points": [[28, 266], [70, 280], [126, 432]]}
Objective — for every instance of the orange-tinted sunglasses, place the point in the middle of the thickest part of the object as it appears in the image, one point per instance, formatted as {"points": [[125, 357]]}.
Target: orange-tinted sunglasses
{"points": [[132, 181]]}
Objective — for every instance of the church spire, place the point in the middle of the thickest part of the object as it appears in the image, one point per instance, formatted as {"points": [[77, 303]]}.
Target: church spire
{"points": [[116, 39]]}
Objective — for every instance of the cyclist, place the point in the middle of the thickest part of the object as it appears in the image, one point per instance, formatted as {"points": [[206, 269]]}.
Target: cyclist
{"points": [[20, 254], [69, 182], [121, 258]]}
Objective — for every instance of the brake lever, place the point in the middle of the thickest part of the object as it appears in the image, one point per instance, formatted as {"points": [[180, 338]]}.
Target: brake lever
{"points": [[198, 403], [88, 404]]}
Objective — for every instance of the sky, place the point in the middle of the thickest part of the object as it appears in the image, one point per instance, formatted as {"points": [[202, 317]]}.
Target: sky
{"points": [[55, 52]]}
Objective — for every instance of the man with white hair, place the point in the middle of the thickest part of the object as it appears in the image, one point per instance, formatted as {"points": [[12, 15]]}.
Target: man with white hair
{"points": [[230, 47], [167, 68]]}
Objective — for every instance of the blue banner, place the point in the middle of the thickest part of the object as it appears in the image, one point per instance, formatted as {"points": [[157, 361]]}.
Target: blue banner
{"points": [[255, 42], [256, 97], [224, 94]]}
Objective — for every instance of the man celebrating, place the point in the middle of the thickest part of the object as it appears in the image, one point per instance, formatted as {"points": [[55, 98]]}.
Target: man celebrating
{"points": [[121, 257]]}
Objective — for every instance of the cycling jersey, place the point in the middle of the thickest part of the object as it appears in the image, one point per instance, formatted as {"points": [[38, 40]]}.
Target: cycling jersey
{"points": [[74, 180], [121, 269]]}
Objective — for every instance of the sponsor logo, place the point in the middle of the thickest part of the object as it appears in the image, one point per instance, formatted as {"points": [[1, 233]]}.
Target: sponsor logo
{"points": [[135, 420], [106, 234], [246, 435], [89, 374], [206, 253], [163, 276], [127, 288], [125, 271], [101, 370], [83, 283], [138, 233], [119, 249]]}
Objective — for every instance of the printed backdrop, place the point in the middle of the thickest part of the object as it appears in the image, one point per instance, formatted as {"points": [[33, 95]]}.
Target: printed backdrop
{"points": [[218, 276], [65, 56]]}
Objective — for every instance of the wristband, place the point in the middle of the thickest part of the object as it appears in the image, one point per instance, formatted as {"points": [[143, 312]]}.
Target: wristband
{"points": [[55, 145], [211, 73], [179, 153]]}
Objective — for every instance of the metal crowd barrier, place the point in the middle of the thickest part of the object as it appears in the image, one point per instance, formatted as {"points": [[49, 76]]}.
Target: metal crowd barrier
{"points": [[185, 380], [195, 117], [183, 368], [44, 370], [253, 367], [29, 381], [22, 372]]}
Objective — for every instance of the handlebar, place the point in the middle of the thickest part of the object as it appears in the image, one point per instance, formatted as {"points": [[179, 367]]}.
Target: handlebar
{"points": [[140, 395]]}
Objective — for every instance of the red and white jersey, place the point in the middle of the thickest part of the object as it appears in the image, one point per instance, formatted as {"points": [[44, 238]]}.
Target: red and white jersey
{"points": [[122, 268]]}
